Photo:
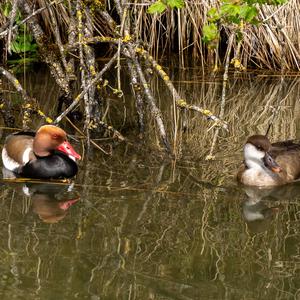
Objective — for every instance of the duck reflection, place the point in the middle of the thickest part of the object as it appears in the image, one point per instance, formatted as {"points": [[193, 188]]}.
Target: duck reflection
{"points": [[262, 204], [259, 207], [51, 201]]}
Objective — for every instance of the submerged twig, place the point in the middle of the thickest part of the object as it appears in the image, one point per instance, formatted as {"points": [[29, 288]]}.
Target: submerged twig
{"points": [[83, 71], [29, 103], [83, 135], [129, 51], [155, 111], [139, 101], [92, 108]]}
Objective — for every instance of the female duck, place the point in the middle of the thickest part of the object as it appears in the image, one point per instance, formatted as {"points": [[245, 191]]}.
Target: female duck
{"points": [[267, 164], [44, 155]]}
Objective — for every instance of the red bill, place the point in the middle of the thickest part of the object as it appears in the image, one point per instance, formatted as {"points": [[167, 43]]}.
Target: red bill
{"points": [[68, 149]]}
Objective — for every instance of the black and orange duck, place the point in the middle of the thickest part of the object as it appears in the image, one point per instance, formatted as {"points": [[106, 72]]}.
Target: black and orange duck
{"points": [[45, 154]]}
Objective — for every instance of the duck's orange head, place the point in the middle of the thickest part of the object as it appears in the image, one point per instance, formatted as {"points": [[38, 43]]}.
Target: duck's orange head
{"points": [[49, 138]]}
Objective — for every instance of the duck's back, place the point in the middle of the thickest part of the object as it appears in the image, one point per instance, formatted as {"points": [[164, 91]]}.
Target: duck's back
{"points": [[17, 151], [287, 155]]}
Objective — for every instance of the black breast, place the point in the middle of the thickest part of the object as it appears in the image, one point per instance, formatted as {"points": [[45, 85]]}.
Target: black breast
{"points": [[57, 165]]}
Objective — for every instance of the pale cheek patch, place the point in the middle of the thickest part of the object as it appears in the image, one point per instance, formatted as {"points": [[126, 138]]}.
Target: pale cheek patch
{"points": [[250, 152], [9, 163], [253, 157]]}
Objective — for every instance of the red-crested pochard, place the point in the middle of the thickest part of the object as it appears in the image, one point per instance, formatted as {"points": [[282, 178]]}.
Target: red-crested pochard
{"points": [[267, 164], [45, 154]]}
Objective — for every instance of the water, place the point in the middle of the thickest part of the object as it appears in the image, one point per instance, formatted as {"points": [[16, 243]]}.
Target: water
{"points": [[135, 225]]}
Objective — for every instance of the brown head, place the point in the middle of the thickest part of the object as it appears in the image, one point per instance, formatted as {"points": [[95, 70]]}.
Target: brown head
{"points": [[256, 153], [261, 142], [49, 138]]}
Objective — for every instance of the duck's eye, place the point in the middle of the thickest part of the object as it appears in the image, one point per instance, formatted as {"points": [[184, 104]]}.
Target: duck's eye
{"points": [[260, 148]]}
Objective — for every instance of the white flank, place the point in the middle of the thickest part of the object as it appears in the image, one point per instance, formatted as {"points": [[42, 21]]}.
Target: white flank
{"points": [[9, 163], [25, 157]]}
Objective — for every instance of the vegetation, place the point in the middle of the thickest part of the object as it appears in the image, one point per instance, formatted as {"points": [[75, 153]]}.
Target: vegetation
{"points": [[66, 34], [146, 229]]}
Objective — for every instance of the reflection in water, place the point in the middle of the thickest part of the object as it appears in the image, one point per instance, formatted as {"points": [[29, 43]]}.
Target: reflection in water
{"points": [[154, 229], [257, 211], [50, 201], [263, 204]]}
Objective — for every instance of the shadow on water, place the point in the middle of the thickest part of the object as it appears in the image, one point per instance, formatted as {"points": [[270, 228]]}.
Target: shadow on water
{"points": [[133, 226]]}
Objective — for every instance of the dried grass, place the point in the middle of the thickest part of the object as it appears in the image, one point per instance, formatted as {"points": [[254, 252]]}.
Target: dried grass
{"points": [[272, 45], [275, 44]]}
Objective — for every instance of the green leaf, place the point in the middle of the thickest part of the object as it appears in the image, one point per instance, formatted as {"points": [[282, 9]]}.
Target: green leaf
{"points": [[277, 2], [18, 18], [157, 7], [213, 15], [248, 13], [175, 3], [209, 32], [229, 10], [23, 43], [6, 9], [15, 47], [27, 37]]}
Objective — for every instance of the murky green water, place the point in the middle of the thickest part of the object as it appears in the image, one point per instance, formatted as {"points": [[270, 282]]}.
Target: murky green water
{"points": [[137, 226]]}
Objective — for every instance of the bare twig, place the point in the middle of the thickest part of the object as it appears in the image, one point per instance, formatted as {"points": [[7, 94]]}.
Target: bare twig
{"points": [[129, 51], [155, 111], [223, 96], [29, 104], [48, 56], [92, 83], [181, 103], [36, 12], [12, 17]]}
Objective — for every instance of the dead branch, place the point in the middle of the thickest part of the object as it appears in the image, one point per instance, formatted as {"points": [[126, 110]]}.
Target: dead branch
{"points": [[36, 12], [130, 52], [97, 78], [47, 55], [11, 17], [181, 103]]}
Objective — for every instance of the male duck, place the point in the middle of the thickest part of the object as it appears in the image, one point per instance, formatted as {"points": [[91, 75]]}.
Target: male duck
{"points": [[267, 164], [44, 154]]}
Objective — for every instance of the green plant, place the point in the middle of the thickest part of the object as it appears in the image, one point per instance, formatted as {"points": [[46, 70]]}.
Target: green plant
{"points": [[161, 5], [23, 44], [233, 12]]}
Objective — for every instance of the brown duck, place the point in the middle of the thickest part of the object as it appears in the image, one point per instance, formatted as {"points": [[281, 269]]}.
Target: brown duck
{"points": [[267, 164]]}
